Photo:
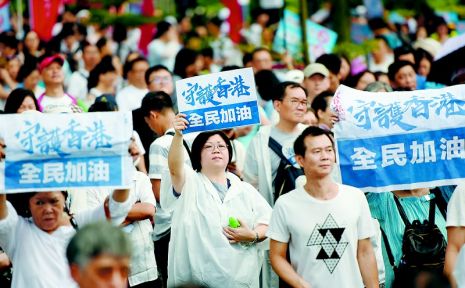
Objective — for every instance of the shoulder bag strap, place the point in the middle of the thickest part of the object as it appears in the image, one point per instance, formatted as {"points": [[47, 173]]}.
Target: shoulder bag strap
{"points": [[278, 149], [388, 247], [401, 211]]}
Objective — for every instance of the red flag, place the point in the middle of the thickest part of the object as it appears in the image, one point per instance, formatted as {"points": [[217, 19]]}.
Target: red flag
{"points": [[43, 15], [234, 20], [146, 29]]}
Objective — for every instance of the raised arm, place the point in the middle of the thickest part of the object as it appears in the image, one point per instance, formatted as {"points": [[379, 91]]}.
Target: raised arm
{"points": [[176, 154]]}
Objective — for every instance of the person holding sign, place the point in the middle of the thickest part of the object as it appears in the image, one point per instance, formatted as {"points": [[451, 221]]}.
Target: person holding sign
{"points": [[36, 243], [203, 248], [35, 240]]}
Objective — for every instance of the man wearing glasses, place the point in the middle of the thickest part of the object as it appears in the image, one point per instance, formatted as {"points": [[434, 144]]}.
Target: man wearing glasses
{"points": [[290, 101]]}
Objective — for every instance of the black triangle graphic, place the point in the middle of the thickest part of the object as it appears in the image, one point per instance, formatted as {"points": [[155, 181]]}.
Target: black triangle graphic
{"points": [[322, 255], [323, 232], [337, 233], [335, 255]]}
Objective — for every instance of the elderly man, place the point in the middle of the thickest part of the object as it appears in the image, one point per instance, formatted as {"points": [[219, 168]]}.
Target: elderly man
{"points": [[99, 256]]}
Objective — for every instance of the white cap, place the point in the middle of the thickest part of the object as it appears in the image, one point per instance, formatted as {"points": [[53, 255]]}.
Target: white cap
{"points": [[316, 68], [294, 76]]}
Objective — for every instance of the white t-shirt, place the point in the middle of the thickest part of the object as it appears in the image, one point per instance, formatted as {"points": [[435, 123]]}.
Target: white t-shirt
{"points": [[323, 235], [39, 258], [78, 84], [456, 208], [130, 98], [163, 53], [62, 101]]}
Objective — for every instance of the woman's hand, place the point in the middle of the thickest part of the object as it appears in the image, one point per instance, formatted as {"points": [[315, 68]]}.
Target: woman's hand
{"points": [[180, 123], [239, 234]]}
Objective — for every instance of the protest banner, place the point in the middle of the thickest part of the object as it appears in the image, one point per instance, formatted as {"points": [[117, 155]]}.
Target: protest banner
{"points": [[400, 140], [218, 101], [53, 152], [288, 37]]}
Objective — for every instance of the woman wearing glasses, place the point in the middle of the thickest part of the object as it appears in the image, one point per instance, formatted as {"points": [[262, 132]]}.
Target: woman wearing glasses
{"points": [[204, 249]]}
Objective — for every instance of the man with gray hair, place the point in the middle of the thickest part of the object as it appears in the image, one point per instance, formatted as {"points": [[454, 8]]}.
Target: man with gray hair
{"points": [[99, 256]]}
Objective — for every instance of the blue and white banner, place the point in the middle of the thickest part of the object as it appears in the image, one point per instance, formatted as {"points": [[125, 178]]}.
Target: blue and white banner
{"points": [[52, 152], [218, 101], [400, 140]]}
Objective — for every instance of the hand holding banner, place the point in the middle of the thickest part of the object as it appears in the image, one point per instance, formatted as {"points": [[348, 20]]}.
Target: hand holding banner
{"points": [[218, 101]]}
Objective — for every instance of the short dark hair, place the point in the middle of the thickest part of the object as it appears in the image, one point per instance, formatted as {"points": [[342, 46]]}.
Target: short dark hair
{"points": [[282, 87], [246, 58], [130, 64], [154, 69], [266, 82], [85, 44], [313, 131], [26, 69], [352, 80], [96, 239], [104, 66], [403, 50], [421, 54], [183, 59], [320, 103], [156, 101], [331, 61], [396, 66], [259, 49], [200, 141], [101, 43]]}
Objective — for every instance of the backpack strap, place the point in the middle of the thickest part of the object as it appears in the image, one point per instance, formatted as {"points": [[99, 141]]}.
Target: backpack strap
{"points": [[184, 143], [432, 212], [388, 248], [431, 215], [401, 211], [278, 149], [440, 201]]}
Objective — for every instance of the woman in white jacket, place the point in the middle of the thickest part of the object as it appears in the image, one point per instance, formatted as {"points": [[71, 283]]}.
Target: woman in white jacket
{"points": [[204, 250]]}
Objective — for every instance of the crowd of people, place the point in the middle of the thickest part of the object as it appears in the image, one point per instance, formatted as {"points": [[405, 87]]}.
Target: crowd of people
{"points": [[209, 209]]}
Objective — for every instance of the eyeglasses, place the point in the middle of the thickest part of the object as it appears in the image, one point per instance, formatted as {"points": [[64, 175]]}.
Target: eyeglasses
{"points": [[295, 102], [159, 80], [211, 147]]}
